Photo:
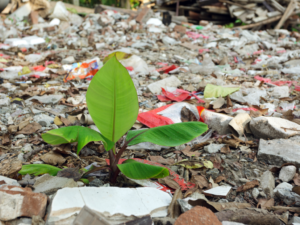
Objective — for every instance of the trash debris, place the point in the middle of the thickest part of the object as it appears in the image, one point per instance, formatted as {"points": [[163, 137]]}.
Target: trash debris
{"points": [[69, 201]]}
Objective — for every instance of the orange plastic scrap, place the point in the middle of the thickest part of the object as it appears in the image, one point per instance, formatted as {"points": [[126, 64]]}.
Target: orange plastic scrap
{"points": [[82, 70]]}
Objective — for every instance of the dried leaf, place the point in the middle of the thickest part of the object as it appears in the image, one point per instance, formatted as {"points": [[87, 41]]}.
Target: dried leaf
{"points": [[53, 158], [174, 207], [225, 110], [231, 142], [254, 114], [5, 139], [297, 179], [288, 115], [65, 121], [220, 178], [264, 203], [229, 103], [195, 164], [10, 167], [200, 180], [160, 159], [187, 151], [70, 173], [30, 128], [200, 145], [248, 185], [213, 184], [171, 183], [63, 149], [57, 121], [296, 189], [225, 149]]}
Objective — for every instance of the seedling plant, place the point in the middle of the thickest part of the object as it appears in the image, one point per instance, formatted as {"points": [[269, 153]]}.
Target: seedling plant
{"points": [[112, 102]]}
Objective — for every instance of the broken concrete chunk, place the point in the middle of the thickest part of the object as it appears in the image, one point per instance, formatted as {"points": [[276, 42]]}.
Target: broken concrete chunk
{"points": [[279, 151], [48, 184], [9, 181], [273, 127], [131, 201], [217, 121], [16, 201], [267, 183]]}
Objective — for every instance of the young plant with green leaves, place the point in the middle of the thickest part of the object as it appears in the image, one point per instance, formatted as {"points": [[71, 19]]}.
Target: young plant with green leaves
{"points": [[113, 105]]}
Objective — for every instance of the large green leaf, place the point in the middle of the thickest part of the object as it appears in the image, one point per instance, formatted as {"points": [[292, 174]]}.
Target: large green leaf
{"points": [[137, 170], [211, 91], [82, 135], [39, 169], [169, 135], [112, 100]]}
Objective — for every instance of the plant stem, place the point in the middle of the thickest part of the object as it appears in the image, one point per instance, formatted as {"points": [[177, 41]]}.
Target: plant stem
{"points": [[114, 159], [114, 170]]}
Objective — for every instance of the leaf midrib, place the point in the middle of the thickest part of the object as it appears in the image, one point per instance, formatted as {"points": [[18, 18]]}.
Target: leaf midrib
{"points": [[114, 113]]}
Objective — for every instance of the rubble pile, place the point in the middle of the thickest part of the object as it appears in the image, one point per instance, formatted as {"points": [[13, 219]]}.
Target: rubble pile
{"points": [[243, 84], [244, 13]]}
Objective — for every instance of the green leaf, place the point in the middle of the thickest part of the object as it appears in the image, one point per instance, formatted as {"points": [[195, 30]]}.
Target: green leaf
{"points": [[137, 170], [82, 135], [211, 91], [118, 55], [169, 135], [112, 100], [86, 181], [39, 169]]}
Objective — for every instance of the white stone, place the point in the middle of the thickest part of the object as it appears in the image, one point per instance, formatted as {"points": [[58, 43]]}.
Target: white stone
{"points": [[171, 81], [255, 193], [267, 183], [287, 173], [273, 127], [44, 120], [284, 192], [213, 148]]}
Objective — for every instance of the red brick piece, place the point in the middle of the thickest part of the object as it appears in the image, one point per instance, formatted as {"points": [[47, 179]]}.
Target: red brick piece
{"points": [[198, 216]]}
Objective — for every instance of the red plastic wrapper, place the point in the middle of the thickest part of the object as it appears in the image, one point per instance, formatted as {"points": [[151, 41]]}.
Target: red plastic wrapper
{"points": [[167, 69], [178, 95], [39, 68], [168, 114], [277, 83]]}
